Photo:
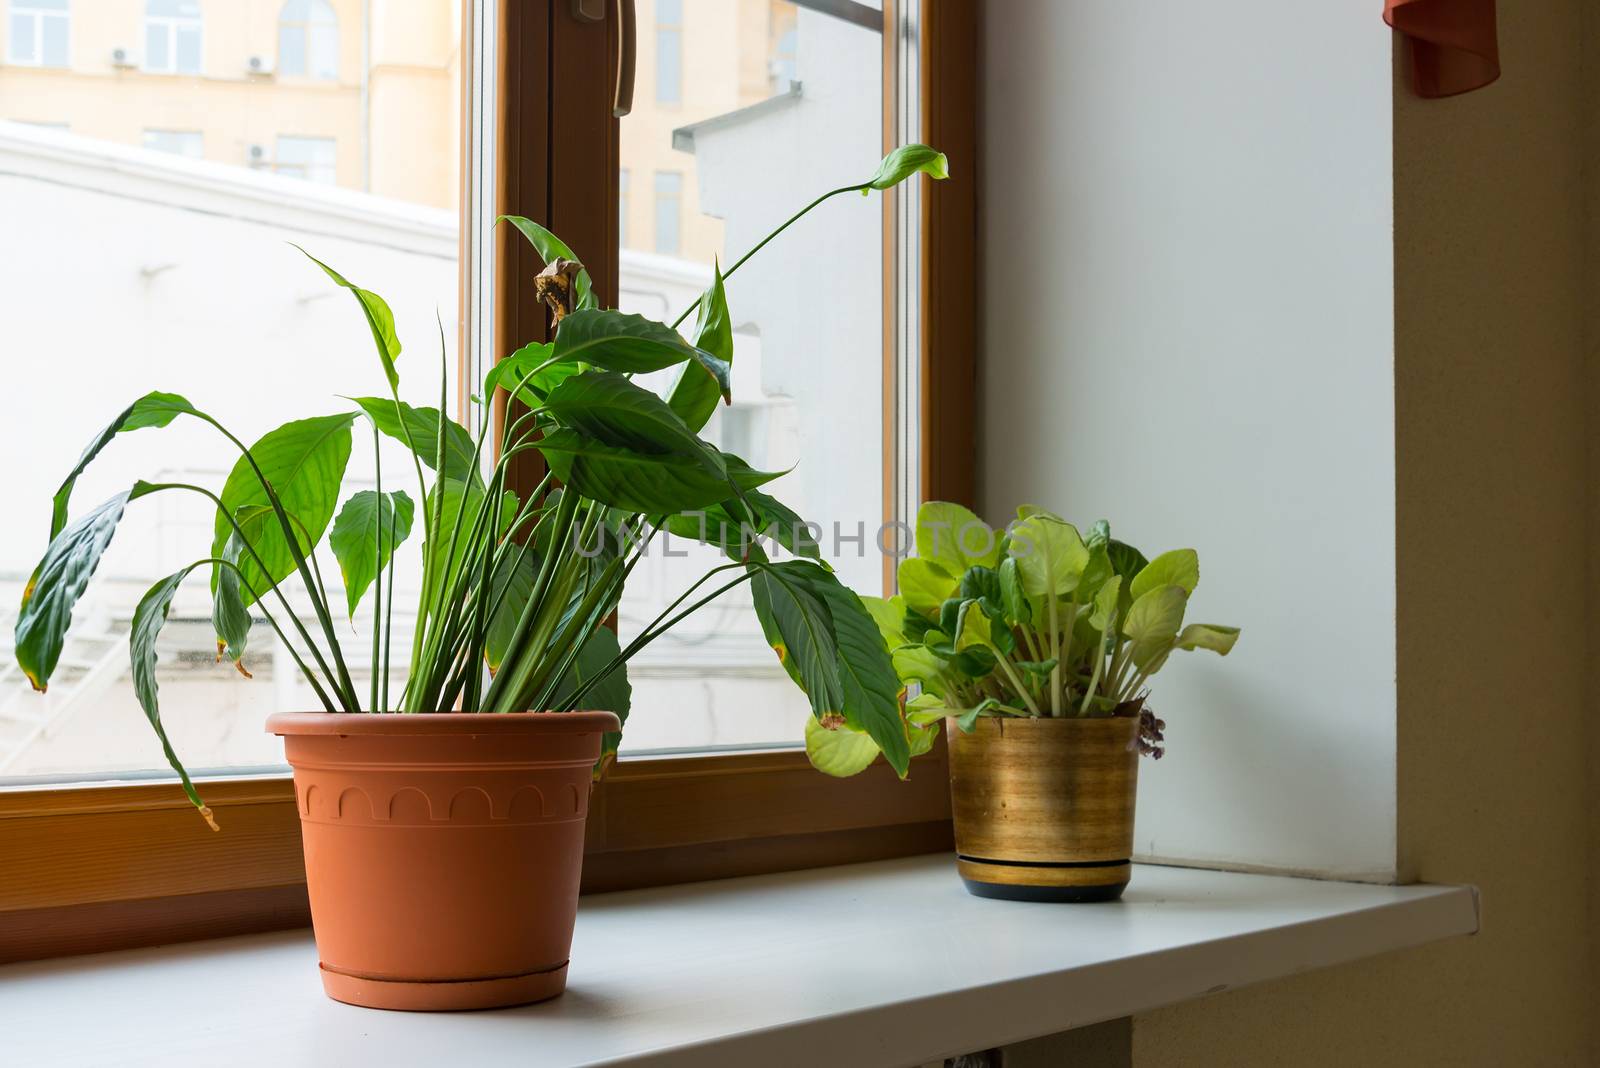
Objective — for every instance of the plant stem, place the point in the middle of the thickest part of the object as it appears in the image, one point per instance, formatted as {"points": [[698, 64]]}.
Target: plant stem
{"points": [[377, 589], [1016, 682]]}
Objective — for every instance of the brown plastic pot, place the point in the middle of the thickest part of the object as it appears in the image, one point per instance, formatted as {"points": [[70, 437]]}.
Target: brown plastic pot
{"points": [[1043, 808], [443, 851]]}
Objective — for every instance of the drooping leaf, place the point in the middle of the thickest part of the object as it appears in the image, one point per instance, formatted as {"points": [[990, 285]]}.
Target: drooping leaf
{"points": [[728, 526], [1218, 639], [907, 160], [304, 461], [58, 581], [840, 752], [619, 341], [694, 396], [871, 687], [967, 718], [229, 616], [954, 538], [1050, 555], [925, 585], [652, 483], [1152, 626], [367, 520], [799, 619], [421, 425], [1180, 567], [612, 693], [611, 409], [380, 320], [552, 248], [148, 618], [150, 410]]}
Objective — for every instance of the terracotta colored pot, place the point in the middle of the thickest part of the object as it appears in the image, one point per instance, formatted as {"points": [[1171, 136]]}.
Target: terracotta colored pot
{"points": [[443, 851], [1044, 807]]}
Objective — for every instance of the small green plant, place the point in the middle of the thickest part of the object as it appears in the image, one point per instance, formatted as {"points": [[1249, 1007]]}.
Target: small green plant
{"points": [[515, 588], [1035, 620]]}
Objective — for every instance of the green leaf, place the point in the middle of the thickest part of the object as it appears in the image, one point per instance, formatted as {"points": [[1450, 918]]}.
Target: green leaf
{"points": [[907, 160], [442, 558], [1180, 567], [1012, 596], [694, 395], [529, 360], [925, 585], [793, 612], [954, 538], [611, 694], [1152, 626], [512, 586], [304, 461], [871, 687], [57, 583], [1105, 603], [367, 519], [1038, 668], [618, 341], [925, 709], [148, 619], [720, 525], [840, 752], [150, 410], [611, 409], [1218, 639], [1099, 534], [1050, 555], [919, 664], [1125, 560], [552, 248], [967, 719], [889, 614], [658, 484], [422, 426], [380, 320], [229, 616]]}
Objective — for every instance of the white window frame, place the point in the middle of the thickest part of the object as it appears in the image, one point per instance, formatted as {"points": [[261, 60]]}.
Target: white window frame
{"points": [[37, 15], [309, 26], [172, 24]]}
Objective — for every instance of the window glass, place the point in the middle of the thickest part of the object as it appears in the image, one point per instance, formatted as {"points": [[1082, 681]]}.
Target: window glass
{"points": [[141, 270], [669, 51], [669, 211], [308, 40], [311, 158], [189, 143], [38, 32], [172, 36], [778, 102]]}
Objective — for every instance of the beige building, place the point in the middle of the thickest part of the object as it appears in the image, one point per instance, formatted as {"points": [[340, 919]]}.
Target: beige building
{"points": [[365, 94]]}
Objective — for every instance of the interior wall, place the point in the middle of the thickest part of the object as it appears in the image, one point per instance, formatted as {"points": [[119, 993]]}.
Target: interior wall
{"points": [[1187, 329], [1493, 442]]}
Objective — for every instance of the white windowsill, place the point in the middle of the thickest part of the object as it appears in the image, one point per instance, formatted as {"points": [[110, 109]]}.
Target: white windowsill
{"points": [[873, 965]]}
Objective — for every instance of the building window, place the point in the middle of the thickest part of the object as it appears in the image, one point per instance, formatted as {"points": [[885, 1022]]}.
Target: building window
{"points": [[669, 208], [308, 40], [38, 32], [669, 51], [172, 36], [311, 158], [189, 143], [784, 61], [622, 208]]}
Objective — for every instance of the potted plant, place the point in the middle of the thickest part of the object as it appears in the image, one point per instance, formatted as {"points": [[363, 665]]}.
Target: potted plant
{"points": [[1035, 647], [443, 848]]}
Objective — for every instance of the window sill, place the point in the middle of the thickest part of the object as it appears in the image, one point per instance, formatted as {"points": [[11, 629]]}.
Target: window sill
{"points": [[869, 964]]}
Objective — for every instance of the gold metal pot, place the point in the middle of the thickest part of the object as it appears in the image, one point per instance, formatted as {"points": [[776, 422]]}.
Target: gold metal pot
{"points": [[1044, 807]]}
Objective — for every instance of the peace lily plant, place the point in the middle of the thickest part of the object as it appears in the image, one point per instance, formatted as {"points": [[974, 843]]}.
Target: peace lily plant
{"points": [[515, 588], [1035, 621]]}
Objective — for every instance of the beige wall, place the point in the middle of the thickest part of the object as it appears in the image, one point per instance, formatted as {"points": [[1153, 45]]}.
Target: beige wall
{"points": [[1494, 386]]}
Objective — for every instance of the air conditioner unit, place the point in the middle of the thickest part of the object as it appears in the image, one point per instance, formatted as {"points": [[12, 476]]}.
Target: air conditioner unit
{"points": [[260, 66], [122, 59], [257, 155]]}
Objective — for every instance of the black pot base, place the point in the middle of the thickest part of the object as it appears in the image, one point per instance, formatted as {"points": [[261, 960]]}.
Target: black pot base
{"points": [[1078, 894]]}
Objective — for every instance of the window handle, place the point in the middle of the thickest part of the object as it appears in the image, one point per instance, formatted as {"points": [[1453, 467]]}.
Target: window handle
{"points": [[627, 58], [627, 46]]}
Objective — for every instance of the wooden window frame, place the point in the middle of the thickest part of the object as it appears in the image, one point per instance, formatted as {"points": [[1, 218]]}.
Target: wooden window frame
{"points": [[97, 867]]}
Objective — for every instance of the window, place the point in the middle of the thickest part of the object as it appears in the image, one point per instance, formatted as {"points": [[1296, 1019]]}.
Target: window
{"points": [[172, 36], [308, 40], [669, 51], [669, 211], [622, 208], [190, 143], [311, 158], [38, 31]]}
